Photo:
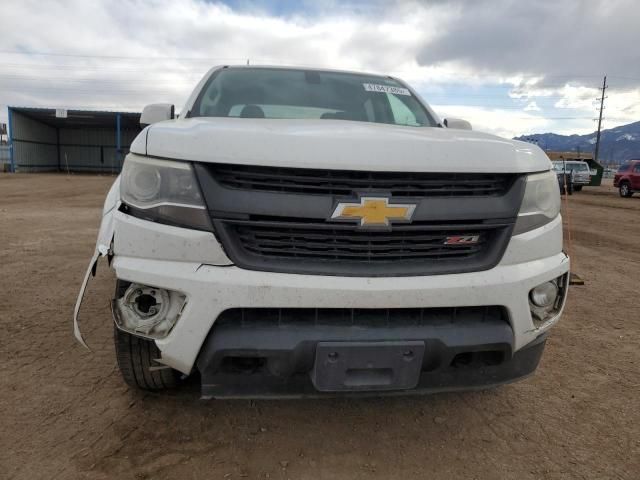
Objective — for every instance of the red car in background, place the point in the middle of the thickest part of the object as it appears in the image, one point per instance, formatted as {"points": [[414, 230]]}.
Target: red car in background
{"points": [[627, 178]]}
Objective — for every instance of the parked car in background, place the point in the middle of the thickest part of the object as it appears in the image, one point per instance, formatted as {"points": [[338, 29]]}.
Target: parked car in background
{"points": [[627, 178], [578, 171]]}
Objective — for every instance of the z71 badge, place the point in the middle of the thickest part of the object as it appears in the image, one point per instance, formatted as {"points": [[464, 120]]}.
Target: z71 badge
{"points": [[462, 240]]}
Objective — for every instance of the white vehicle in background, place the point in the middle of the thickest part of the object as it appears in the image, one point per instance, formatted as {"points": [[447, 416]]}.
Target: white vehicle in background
{"points": [[310, 232], [577, 171]]}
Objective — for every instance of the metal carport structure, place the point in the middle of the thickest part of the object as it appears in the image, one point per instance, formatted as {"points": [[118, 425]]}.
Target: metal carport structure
{"points": [[49, 139]]}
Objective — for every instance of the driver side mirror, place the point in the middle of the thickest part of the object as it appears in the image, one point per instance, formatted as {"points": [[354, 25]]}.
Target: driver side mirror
{"points": [[156, 112], [457, 123]]}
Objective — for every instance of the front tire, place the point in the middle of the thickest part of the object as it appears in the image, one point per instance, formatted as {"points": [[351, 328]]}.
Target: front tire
{"points": [[577, 188], [625, 190], [136, 356]]}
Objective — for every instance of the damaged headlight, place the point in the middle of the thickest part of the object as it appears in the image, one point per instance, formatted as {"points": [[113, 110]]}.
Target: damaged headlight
{"points": [[163, 191], [541, 202]]}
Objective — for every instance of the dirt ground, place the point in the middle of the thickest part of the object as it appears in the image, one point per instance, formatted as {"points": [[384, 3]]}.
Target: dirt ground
{"points": [[66, 413]]}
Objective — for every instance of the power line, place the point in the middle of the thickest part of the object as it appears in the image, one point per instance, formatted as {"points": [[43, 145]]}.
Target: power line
{"points": [[242, 59], [121, 57], [550, 118]]}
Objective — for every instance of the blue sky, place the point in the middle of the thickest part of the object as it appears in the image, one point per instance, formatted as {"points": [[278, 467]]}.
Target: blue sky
{"points": [[508, 66], [305, 8]]}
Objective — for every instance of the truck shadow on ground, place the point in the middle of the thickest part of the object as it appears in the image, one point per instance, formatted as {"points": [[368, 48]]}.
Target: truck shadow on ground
{"points": [[251, 438]]}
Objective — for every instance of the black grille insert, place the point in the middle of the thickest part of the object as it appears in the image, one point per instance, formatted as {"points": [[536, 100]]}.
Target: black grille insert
{"points": [[343, 249], [350, 183], [320, 241]]}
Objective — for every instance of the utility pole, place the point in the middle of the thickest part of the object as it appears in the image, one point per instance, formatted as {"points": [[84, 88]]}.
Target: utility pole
{"points": [[602, 97]]}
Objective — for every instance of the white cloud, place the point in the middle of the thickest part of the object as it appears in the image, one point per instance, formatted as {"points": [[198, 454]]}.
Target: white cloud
{"points": [[532, 107], [506, 123], [577, 97]]}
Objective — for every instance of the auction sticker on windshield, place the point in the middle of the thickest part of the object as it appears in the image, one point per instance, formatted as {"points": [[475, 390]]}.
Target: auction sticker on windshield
{"points": [[372, 87]]}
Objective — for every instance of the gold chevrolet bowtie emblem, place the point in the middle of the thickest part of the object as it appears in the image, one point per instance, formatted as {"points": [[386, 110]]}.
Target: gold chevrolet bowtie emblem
{"points": [[373, 212]]}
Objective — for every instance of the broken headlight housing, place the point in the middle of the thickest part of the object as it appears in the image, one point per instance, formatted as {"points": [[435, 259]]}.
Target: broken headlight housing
{"points": [[163, 191], [541, 202]]}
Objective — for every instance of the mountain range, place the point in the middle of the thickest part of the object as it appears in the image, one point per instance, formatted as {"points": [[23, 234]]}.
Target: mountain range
{"points": [[616, 144]]}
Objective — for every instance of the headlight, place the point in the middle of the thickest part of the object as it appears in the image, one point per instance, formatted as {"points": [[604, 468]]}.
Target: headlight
{"points": [[541, 202], [163, 191]]}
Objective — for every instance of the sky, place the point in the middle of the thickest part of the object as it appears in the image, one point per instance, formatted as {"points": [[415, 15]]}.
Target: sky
{"points": [[510, 67]]}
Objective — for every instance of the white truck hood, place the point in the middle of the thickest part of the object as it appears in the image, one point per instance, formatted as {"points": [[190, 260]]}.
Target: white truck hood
{"points": [[337, 144]]}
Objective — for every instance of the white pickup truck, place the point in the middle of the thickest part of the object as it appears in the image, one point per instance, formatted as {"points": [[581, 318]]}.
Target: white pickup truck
{"points": [[301, 232]]}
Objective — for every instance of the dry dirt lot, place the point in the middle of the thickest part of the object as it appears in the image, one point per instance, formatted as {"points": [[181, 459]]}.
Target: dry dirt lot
{"points": [[65, 412]]}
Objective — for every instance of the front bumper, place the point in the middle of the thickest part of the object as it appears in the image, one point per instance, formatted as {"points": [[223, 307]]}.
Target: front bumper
{"points": [[210, 290], [212, 286], [194, 264]]}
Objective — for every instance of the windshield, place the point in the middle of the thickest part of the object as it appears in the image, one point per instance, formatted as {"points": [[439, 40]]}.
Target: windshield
{"points": [[309, 94]]}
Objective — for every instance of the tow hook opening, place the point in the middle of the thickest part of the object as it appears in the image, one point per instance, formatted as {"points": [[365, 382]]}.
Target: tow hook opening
{"points": [[148, 311], [242, 364], [478, 359]]}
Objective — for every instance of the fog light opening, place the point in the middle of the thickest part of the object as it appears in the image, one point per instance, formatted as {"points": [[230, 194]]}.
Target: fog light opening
{"points": [[544, 295], [148, 311], [546, 300]]}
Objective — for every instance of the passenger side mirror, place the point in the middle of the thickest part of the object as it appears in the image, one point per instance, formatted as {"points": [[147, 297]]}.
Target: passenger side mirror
{"points": [[457, 123], [156, 112]]}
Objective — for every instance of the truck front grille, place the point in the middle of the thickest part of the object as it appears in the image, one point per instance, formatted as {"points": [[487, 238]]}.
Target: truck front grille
{"points": [[347, 182], [280, 220]]}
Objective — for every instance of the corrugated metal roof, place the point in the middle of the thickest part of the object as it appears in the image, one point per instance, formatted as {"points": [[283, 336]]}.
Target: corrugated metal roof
{"points": [[79, 117], [75, 109]]}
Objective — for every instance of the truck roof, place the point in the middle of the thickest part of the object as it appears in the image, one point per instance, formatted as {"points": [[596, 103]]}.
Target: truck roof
{"points": [[317, 69]]}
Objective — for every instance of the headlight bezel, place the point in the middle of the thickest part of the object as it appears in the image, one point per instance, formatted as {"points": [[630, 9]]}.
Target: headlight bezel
{"points": [[177, 199], [540, 203]]}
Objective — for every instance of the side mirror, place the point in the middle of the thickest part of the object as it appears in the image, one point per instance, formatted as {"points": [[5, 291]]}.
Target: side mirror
{"points": [[156, 112], [457, 123]]}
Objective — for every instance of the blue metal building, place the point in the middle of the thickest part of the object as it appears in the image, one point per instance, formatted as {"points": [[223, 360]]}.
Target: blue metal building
{"points": [[49, 140]]}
